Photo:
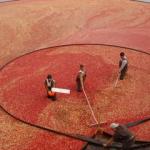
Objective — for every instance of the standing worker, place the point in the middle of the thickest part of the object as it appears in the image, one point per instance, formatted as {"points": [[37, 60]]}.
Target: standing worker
{"points": [[49, 83], [123, 65], [122, 135], [80, 78]]}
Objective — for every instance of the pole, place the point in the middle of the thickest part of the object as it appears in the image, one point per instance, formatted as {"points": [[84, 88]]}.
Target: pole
{"points": [[117, 80], [88, 102]]}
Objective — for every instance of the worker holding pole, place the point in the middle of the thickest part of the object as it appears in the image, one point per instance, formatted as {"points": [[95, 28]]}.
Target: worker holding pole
{"points": [[123, 65], [81, 76]]}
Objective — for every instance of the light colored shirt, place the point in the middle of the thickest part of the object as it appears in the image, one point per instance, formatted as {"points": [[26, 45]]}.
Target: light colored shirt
{"points": [[82, 73], [124, 63], [49, 82]]}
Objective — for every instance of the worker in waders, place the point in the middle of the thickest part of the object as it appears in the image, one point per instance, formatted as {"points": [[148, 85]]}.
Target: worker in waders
{"points": [[123, 65], [121, 135], [49, 83], [80, 78]]}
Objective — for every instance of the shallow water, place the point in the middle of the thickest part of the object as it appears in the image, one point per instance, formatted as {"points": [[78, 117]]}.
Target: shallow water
{"points": [[5, 0], [148, 1]]}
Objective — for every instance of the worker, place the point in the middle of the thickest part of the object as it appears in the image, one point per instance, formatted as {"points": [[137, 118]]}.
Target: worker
{"points": [[81, 76], [49, 84], [123, 65], [122, 135]]}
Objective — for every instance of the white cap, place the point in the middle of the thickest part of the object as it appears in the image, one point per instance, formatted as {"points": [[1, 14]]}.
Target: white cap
{"points": [[114, 125]]}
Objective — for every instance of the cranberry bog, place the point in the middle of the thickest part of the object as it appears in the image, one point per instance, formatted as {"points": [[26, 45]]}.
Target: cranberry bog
{"points": [[23, 93]]}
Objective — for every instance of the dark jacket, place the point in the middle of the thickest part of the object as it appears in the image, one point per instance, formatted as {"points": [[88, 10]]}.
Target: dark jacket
{"points": [[122, 133]]}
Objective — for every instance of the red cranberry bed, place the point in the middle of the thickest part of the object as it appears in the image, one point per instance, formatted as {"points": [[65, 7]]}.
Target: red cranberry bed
{"points": [[23, 93]]}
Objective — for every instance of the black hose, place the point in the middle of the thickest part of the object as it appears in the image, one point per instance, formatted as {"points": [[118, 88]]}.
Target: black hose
{"points": [[135, 123]]}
